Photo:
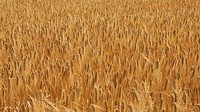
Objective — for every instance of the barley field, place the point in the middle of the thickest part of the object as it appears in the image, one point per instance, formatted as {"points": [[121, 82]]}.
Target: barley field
{"points": [[99, 55]]}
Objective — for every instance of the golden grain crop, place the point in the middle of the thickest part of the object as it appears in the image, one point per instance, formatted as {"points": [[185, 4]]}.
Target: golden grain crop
{"points": [[99, 55]]}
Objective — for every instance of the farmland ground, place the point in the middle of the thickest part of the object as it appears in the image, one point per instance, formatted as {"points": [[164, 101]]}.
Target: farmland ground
{"points": [[99, 55]]}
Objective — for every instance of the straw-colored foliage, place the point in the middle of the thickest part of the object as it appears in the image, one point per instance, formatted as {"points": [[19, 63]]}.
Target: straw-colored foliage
{"points": [[99, 55]]}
